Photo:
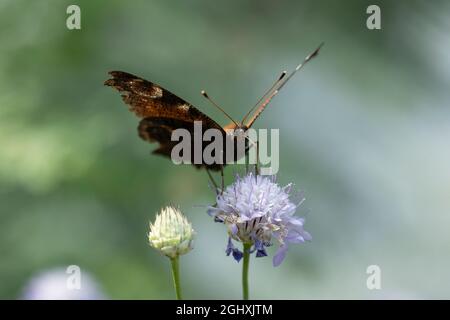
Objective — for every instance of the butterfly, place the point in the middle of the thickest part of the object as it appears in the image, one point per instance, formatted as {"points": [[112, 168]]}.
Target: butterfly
{"points": [[162, 112]]}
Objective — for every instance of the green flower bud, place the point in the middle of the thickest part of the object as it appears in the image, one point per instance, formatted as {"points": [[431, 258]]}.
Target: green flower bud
{"points": [[172, 233]]}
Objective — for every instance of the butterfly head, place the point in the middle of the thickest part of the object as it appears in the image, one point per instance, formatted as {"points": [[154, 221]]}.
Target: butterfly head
{"points": [[236, 129], [240, 130]]}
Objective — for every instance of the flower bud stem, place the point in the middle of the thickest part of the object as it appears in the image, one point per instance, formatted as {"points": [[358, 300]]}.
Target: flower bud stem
{"points": [[176, 276], [245, 265]]}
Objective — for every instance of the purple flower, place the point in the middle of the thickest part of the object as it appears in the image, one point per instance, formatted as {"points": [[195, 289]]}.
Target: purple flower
{"points": [[257, 210]]}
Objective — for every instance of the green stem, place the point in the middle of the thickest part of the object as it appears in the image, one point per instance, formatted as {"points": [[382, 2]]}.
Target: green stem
{"points": [[176, 276], [245, 265]]}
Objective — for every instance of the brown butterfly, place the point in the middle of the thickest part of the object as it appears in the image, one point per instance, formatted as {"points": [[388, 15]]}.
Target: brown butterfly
{"points": [[162, 112]]}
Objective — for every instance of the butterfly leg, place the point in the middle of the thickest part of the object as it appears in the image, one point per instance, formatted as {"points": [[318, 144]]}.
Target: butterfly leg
{"points": [[247, 164], [256, 145], [223, 180], [211, 178], [257, 171]]}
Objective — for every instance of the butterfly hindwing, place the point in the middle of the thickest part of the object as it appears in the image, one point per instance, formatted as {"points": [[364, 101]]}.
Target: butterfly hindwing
{"points": [[158, 129]]}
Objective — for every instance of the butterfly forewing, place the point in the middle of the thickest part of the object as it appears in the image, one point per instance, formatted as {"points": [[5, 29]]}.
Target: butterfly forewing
{"points": [[161, 112]]}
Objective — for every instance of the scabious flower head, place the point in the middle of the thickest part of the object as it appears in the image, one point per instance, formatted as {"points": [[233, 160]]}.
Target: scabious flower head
{"points": [[171, 233], [256, 211]]}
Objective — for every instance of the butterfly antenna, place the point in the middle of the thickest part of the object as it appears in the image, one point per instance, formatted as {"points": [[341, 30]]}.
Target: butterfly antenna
{"points": [[213, 182], [301, 65], [203, 92], [281, 85], [283, 74]]}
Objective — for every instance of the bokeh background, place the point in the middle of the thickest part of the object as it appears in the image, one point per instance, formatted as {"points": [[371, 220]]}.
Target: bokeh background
{"points": [[364, 129]]}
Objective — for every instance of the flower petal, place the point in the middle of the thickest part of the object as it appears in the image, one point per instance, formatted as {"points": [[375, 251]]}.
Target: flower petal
{"points": [[230, 247], [296, 221], [280, 255], [260, 250], [307, 236], [237, 255], [261, 253]]}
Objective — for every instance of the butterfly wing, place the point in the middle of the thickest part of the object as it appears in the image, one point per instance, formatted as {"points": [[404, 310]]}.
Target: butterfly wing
{"points": [[161, 111]]}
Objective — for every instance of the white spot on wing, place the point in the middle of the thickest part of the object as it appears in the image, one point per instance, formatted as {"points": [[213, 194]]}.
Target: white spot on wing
{"points": [[157, 92], [184, 107]]}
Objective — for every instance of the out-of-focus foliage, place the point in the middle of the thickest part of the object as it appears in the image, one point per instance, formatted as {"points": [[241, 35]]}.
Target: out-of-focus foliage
{"points": [[364, 130]]}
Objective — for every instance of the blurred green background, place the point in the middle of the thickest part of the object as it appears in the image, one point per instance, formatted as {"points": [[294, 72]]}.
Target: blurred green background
{"points": [[364, 130]]}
